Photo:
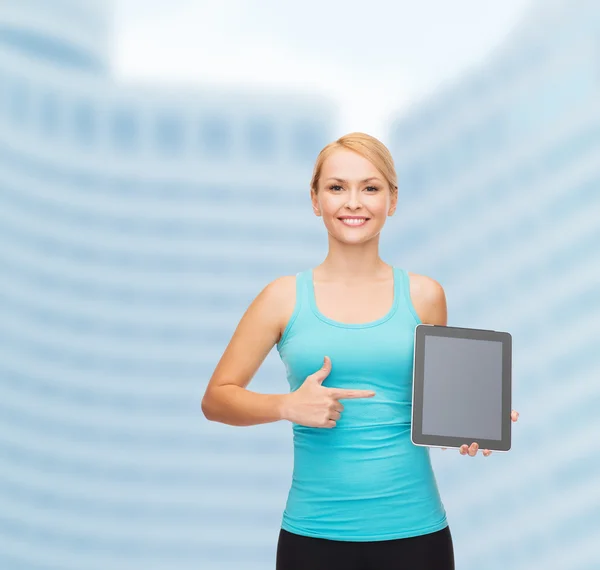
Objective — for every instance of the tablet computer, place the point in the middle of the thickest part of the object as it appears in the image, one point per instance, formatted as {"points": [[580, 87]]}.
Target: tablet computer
{"points": [[461, 387]]}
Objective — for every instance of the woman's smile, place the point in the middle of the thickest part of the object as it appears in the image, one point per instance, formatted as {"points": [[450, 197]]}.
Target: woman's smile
{"points": [[353, 221]]}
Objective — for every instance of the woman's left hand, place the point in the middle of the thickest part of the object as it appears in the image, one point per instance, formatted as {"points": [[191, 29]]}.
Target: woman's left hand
{"points": [[472, 449]]}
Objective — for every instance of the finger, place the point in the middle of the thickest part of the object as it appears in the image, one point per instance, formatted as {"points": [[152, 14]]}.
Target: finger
{"points": [[335, 415], [341, 393], [323, 372], [473, 449], [464, 449], [487, 452], [330, 424], [514, 415]]}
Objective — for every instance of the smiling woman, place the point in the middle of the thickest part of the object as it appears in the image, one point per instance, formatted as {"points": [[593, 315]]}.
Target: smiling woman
{"points": [[364, 197], [363, 497]]}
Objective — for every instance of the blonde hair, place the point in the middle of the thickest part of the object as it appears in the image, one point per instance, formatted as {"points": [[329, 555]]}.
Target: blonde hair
{"points": [[368, 147]]}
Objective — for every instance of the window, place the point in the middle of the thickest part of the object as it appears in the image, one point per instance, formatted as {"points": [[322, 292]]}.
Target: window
{"points": [[124, 129], [49, 114], [215, 137], [307, 141], [84, 122], [260, 138], [169, 134]]}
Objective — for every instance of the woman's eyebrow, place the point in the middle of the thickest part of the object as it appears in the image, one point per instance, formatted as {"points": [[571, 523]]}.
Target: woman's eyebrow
{"points": [[365, 180]]}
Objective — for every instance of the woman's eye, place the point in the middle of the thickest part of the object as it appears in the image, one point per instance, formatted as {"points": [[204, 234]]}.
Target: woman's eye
{"points": [[337, 187]]}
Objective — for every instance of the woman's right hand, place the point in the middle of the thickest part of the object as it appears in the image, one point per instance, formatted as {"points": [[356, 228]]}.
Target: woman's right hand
{"points": [[314, 405]]}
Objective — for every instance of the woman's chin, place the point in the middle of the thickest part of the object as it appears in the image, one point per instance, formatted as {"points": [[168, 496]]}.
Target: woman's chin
{"points": [[353, 237]]}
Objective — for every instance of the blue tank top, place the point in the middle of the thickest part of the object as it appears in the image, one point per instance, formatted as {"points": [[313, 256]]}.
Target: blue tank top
{"points": [[363, 480]]}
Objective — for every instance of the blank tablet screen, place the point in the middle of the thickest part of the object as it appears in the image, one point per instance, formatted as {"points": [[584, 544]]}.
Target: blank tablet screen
{"points": [[462, 387]]}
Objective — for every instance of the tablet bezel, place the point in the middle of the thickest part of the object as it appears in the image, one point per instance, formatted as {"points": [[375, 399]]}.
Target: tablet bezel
{"points": [[417, 435]]}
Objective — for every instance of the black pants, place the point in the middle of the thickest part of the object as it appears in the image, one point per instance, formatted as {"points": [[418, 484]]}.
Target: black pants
{"points": [[432, 551]]}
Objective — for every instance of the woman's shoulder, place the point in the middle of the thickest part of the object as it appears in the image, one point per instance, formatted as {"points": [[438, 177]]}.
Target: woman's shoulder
{"points": [[280, 294], [424, 284], [429, 298], [281, 288]]}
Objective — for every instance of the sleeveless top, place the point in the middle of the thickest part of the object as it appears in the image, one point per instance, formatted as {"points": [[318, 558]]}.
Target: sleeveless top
{"points": [[363, 480]]}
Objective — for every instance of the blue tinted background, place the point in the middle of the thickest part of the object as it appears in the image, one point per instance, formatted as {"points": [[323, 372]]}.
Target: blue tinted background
{"points": [[138, 221]]}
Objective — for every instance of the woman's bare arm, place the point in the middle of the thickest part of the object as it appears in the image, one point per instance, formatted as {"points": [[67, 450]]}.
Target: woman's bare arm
{"points": [[226, 399]]}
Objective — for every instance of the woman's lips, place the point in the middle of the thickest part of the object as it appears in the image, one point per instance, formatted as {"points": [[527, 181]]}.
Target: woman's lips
{"points": [[353, 222]]}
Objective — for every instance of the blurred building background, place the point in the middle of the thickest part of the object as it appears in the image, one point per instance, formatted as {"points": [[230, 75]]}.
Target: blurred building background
{"points": [[137, 222], [501, 179]]}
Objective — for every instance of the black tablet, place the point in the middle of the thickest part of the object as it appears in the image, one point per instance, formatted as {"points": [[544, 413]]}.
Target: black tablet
{"points": [[461, 387]]}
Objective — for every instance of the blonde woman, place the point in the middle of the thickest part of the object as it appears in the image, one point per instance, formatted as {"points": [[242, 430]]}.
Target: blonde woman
{"points": [[363, 497]]}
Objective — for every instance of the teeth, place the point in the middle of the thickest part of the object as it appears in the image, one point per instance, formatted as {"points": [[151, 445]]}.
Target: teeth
{"points": [[354, 222]]}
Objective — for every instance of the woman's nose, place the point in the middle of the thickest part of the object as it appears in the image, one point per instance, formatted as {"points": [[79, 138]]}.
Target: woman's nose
{"points": [[353, 201]]}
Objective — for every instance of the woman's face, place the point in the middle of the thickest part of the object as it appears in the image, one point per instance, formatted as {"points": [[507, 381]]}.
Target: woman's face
{"points": [[353, 198]]}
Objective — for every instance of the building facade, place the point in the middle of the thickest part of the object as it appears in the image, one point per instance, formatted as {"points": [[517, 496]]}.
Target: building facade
{"points": [[500, 176], [137, 222]]}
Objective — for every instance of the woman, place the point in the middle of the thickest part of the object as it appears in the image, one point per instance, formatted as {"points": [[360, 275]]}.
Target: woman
{"points": [[363, 497]]}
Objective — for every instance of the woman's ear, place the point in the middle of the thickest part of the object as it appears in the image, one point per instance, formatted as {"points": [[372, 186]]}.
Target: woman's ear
{"points": [[393, 204], [315, 203]]}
